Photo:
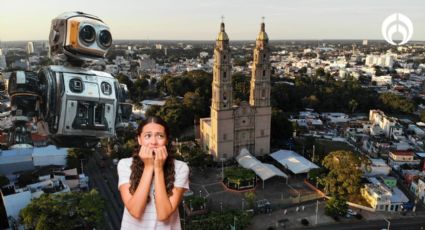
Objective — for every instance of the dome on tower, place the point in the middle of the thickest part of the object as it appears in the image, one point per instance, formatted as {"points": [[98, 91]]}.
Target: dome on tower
{"points": [[263, 35], [222, 36]]}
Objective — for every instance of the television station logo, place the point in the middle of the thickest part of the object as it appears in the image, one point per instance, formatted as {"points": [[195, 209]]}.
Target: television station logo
{"points": [[397, 23]]}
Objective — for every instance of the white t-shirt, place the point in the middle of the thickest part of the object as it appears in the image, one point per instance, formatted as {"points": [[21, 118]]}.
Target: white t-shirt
{"points": [[148, 219]]}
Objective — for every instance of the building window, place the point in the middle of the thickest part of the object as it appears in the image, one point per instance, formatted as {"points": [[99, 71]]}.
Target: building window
{"points": [[224, 96], [224, 137], [224, 75], [263, 93], [264, 73], [264, 57], [224, 57], [262, 132]]}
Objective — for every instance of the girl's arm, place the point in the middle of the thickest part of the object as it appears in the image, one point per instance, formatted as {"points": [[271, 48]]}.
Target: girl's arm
{"points": [[136, 203], [165, 205]]}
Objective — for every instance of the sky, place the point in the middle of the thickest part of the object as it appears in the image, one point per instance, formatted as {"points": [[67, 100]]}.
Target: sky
{"points": [[27, 20]]}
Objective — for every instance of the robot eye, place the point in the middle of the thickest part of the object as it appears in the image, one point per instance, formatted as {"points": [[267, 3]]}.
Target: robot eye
{"points": [[105, 38], [87, 34], [76, 85], [106, 88]]}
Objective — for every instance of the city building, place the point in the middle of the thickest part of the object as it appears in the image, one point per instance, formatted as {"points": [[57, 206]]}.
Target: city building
{"points": [[382, 124], [383, 198], [377, 167], [30, 47], [20, 198], [22, 159], [232, 128], [417, 187], [398, 158]]}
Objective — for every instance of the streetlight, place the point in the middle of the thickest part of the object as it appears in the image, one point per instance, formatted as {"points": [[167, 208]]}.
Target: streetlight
{"points": [[221, 206], [388, 226], [243, 203]]}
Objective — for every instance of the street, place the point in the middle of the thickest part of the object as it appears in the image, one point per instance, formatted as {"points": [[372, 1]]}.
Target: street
{"points": [[105, 180]]}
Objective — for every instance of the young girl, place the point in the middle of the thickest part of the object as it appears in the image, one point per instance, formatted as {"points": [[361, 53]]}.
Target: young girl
{"points": [[152, 182]]}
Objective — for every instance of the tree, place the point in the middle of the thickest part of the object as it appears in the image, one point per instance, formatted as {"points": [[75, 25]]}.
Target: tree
{"points": [[195, 156], [394, 103], [353, 105], [345, 171], [175, 115], [194, 103], [281, 126], [250, 198], [74, 157], [336, 207], [3, 181], [320, 72], [64, 211]]}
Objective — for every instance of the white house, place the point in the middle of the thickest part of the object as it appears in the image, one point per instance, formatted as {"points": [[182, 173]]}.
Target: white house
{"points": [[418, 188], [15, 202], [388, 125], [378, 167], [49, 155]]}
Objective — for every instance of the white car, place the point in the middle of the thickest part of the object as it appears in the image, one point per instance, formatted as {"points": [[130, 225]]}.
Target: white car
{"points": [[351, 212]]}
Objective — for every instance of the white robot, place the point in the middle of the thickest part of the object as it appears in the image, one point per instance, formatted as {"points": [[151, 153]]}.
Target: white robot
{"points": [[74, 106]]}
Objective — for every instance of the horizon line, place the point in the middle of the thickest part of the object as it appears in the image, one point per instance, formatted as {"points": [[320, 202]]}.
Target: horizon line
{"points": [[238, 40]]}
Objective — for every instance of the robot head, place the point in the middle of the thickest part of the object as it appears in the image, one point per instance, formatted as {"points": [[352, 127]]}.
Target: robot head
{"points": [[79, 36]]}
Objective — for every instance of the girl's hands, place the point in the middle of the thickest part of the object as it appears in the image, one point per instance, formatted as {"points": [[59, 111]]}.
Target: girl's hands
{"points": [[160, 157], [147, 156], [153, 157]]}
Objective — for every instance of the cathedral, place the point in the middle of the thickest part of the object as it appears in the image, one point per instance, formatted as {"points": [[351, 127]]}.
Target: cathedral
{"points": [[247, 125]]}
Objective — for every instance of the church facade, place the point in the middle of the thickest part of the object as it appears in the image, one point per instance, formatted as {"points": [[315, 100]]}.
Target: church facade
{"points": [[247, 125]]}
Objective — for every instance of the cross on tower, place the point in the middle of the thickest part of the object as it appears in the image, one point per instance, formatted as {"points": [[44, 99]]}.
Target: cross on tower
{"points": [[262, 19], [222, 18]]}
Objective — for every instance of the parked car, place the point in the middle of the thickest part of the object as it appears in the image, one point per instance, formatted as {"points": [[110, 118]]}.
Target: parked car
{"points": [[351, 212], [407, 206]]}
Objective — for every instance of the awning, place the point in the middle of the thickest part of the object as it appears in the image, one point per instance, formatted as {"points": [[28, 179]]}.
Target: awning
{"points": [[264, 171], [293, 161]]}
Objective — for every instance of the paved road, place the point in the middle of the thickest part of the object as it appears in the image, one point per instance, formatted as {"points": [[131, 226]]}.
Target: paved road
{"points": [[414, 223], [105, 180]]}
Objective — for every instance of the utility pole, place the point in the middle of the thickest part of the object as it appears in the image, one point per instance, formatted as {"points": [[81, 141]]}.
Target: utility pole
{"points": [[317, 210], [82, 166]]}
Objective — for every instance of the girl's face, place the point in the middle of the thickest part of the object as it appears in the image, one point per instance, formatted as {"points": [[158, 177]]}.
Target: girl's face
{"points": [[153, 136]]}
